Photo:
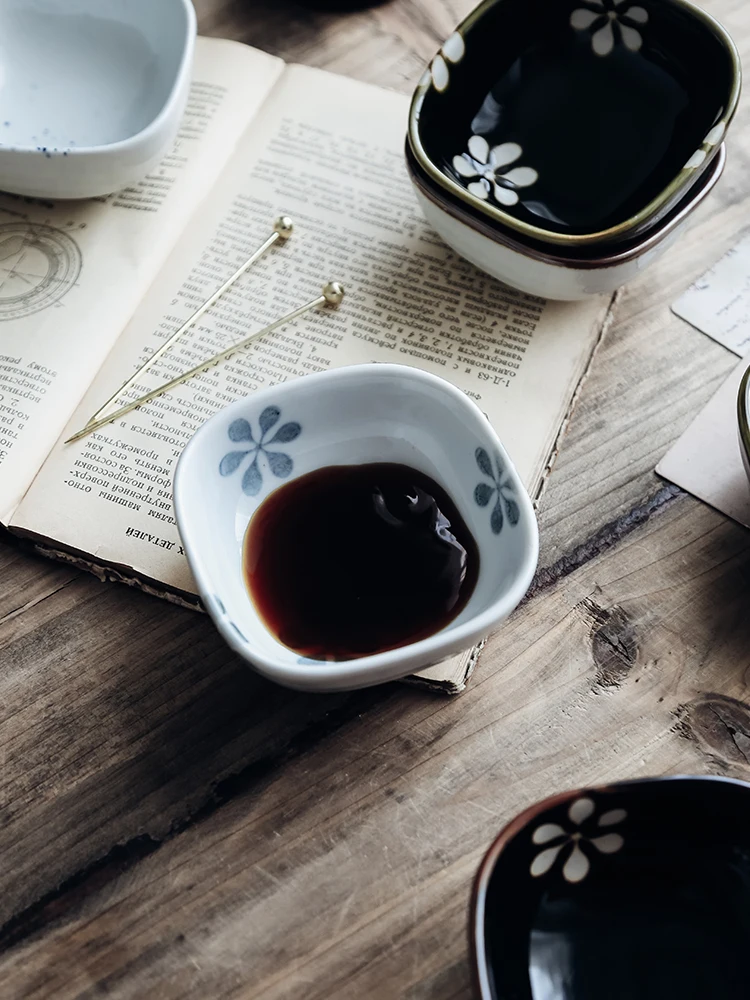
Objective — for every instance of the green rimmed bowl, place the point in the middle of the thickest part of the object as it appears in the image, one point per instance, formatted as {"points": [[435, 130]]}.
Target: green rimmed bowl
{"points": [[743, 420], [575, 122]]}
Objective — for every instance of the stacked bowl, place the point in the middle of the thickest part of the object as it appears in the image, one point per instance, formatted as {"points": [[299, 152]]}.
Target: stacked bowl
{"points": [[561, 145]]}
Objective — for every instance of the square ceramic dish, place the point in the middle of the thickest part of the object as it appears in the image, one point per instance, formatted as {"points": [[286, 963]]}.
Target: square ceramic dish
{"points": [[575, 122], [349, 416], [550, 271], [633, 890], [743, 419], [93, 92]]}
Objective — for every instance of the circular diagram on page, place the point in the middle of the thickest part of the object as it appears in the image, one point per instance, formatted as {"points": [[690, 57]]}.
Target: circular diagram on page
{"points": [[39, 265]]}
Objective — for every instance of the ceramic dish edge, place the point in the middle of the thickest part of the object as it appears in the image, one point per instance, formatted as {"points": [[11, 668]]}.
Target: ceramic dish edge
{"points": [[743, 420]]}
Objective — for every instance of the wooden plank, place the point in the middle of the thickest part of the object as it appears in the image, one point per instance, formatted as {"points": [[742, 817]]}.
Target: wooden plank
{"points": [[26, 581], [346, 871], [121, 716], [389, 44]]}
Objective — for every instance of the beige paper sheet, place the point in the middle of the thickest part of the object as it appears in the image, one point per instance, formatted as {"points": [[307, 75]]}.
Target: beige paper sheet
{"points": [[707, 462]]}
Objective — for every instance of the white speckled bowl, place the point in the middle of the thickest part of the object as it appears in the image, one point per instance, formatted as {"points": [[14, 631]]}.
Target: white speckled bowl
{"points": [[91, 92], [350, 416]]}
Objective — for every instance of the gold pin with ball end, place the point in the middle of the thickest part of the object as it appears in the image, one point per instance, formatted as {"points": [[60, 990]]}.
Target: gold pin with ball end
{"points": [[331, 296], [283, 228]]}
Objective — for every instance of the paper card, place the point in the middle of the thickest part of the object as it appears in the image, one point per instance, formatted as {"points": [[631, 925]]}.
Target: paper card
{"points": [[718, 303], [707, 461]]}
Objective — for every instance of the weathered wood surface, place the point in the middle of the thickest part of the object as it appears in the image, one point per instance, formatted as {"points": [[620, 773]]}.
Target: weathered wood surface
{"points": [[171, 825]]}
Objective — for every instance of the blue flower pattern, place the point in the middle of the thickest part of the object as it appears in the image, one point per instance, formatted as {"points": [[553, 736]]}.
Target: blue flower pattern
{"points": [[219, 605], [279, 462], [505, 506]]}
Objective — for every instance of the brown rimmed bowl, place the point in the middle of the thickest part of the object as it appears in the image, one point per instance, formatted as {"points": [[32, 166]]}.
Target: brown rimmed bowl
{"points": [[632, 890]]}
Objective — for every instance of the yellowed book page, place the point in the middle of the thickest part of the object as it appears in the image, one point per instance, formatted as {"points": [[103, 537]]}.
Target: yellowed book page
{"points": [[72, 273], [329, 152]]}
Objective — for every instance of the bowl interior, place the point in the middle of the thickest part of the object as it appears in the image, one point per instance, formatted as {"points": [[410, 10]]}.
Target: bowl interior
{"points": [[83, 73], [368, 413], [572, 129], [640, 890]]}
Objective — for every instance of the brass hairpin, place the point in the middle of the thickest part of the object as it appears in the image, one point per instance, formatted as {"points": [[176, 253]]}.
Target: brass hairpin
{"points": [[282, 230], [331, 295]]}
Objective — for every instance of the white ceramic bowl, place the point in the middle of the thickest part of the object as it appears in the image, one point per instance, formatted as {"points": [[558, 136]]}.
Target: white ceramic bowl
{"points": [[92, 92], [350, 416]]}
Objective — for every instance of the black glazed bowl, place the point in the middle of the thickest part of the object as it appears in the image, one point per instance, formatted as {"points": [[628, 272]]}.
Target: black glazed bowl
{"points": [[575, 122], [633, 891]]}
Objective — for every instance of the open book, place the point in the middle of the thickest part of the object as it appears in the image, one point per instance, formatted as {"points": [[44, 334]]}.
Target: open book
{"points": [[89, 290]]}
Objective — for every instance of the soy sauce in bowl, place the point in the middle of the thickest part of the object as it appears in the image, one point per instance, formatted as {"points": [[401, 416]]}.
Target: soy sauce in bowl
{"points": [[349, 561]]}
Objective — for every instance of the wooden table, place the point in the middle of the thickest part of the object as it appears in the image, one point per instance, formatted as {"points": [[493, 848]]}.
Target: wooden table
{"points": [[171, 825]]}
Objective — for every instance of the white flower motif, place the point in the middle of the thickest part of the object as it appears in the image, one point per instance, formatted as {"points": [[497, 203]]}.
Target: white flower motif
{"points": [[577, 866], [600, 17], [489, 167], [713, 138], [451, 51]]}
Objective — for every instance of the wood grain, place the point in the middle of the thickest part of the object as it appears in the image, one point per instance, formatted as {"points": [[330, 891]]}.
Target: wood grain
{"points": [[171, 825], [344, 870]]}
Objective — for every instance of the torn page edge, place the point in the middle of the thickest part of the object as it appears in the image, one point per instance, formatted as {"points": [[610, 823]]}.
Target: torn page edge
{"points": [[603, 331]]}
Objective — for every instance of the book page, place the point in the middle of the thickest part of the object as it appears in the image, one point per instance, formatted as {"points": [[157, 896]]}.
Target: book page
{"points": [[72, 273], [330, 154]]}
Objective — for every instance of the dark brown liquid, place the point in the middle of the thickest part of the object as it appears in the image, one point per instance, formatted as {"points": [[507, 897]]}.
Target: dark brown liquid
{"points": [[352, 560]]}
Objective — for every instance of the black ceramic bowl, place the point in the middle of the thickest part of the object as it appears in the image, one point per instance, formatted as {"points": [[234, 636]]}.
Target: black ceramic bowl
{"points": [[575, 121], [634, 891]]}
